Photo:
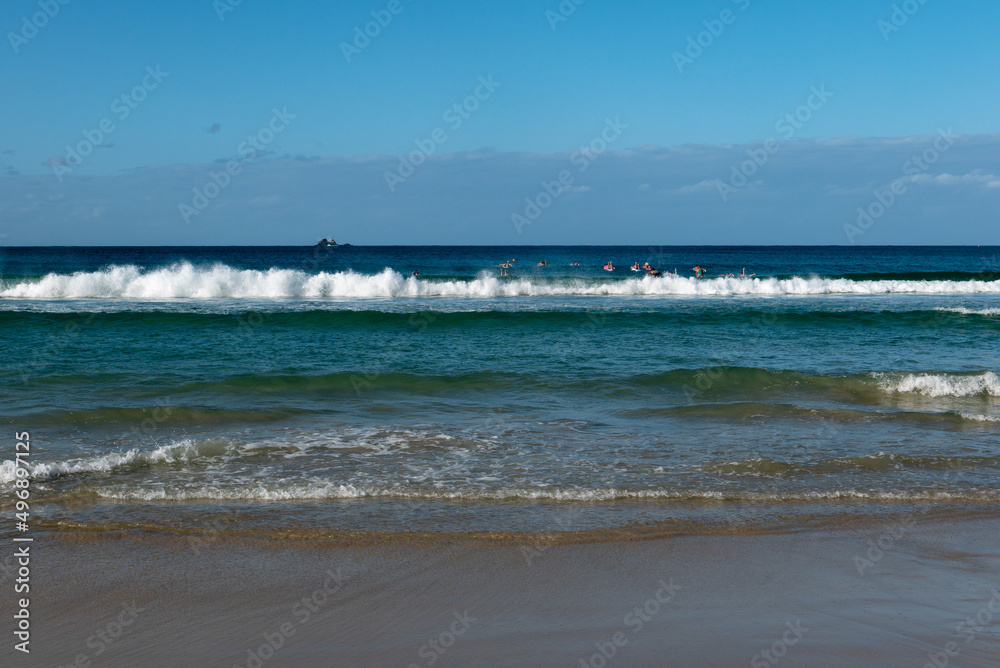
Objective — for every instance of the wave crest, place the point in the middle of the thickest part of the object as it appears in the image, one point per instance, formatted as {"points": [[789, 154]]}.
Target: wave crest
{"points": [[945, 385], [185, 281], [181, 452], [971, 311]]}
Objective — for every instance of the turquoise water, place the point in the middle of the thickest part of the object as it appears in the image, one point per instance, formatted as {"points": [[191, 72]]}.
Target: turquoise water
{"points": [[299, 389]]}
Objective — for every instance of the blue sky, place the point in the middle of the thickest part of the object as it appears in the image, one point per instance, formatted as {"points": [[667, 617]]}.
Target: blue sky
{"points": [[549, 81]]}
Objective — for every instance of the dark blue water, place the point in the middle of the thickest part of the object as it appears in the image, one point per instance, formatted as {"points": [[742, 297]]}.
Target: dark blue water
{"points": [[467, 261]]}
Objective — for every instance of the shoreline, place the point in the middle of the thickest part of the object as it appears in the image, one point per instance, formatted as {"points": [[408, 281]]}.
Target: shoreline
{"points": [[709, 599], [556, 522]]}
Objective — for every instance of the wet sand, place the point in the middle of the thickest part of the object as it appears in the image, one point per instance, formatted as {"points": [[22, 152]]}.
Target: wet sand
{"points": [[718, 600]]}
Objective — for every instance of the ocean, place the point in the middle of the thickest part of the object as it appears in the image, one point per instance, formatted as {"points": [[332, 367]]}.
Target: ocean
{"points": [[311, 392]]}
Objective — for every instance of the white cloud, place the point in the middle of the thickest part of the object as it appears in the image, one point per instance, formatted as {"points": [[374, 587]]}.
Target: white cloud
{"points": [[974, 178]]}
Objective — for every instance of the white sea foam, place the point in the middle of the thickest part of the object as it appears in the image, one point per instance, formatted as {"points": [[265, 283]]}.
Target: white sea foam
{"points": [[184, 451], [319, 490], [971, 311], [185, 281], [374, 442], [301, 486], [979, 417], [944, 385]]}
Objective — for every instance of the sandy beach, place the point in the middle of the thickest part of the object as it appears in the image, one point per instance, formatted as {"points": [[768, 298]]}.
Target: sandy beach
{"points": [[810, 598]]}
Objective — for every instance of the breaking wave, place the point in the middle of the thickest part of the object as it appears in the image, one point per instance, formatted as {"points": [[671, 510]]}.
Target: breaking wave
{"points": [[186, 281], [945, 385], [972, 311], [178, 453]]}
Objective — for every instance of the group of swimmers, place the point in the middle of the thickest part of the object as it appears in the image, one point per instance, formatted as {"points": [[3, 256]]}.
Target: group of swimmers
{"points": [[646, 267], [699, 271], [505, 267]]}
